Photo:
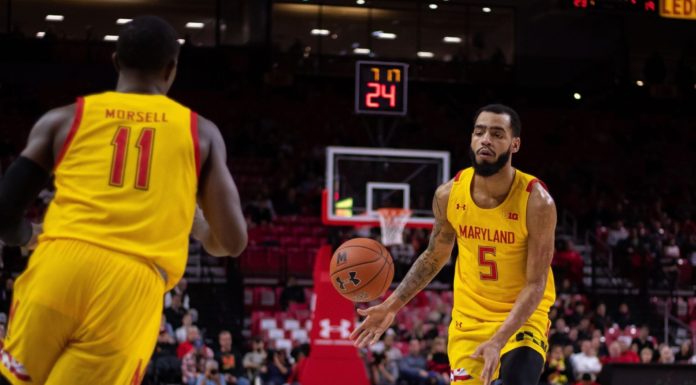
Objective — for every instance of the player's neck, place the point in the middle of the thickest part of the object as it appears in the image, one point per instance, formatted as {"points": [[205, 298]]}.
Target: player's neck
{"points": [[140, 85], [496, 185]]}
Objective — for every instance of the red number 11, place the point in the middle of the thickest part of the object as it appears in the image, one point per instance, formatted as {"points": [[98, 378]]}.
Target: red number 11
{"points": [[118, 163]]}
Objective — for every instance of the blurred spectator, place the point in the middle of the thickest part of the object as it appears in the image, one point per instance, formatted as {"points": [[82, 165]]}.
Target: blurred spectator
{"points": [[193, 339], [567, 262], [643, 340], [277, 368], [165, 339], [619, 352], [647, 355], [175, 312], [2, 331], [181, 288], [584, 329], [669, 261], [392, 352], [666, 355], [254, 362], [292, 293], [617, 233], [229, 360], [586, 380], [261, 208], [186, 322], [379, 370], [577, 314], [686, 351], [211, 376], [559, 333], [413, 369], [194, 363], [403, 256], [438, 361], [164, 364], [6, 290], [586, 361], [623, 317], [300, 355], [558, 369]]}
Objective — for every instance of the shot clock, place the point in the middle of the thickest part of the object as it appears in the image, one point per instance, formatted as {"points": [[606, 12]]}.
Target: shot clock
{"points": [[381, 88]]}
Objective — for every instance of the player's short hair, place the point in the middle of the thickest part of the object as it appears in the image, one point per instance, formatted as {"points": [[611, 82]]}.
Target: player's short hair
{"points": [[515, 122], [148, 43]]}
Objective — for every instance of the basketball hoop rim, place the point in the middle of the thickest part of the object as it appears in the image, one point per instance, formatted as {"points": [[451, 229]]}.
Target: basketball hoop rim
{"points": [[393, 211], [328, 221]]}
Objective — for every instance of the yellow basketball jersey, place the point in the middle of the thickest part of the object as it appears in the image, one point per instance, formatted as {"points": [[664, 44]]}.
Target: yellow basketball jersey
{"points": [[126, 178], [491, 266]]}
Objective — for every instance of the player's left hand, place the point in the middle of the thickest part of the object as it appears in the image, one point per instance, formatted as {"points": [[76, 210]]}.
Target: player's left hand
{"points": [[490, 352]]}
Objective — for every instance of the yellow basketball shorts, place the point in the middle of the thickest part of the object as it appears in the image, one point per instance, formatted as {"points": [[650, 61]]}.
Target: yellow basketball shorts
{"points": [[466, 334], [82, 314]]}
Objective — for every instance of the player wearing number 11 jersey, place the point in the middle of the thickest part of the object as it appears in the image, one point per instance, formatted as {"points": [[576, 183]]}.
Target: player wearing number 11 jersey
{"points": [[129, 167], [503, 221]]}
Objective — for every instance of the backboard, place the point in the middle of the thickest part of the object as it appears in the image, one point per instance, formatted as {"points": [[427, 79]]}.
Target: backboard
{"points": [[360, 180]]}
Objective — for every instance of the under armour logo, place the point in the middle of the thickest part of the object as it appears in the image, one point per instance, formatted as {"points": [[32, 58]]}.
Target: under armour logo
{"points": [[352, 278], [461, 206], [341, 258], [355, 281], [327, 328], [459, 324]]}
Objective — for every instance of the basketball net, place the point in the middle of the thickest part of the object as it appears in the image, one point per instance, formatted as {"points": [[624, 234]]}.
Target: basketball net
{"points": [[392, 221]]}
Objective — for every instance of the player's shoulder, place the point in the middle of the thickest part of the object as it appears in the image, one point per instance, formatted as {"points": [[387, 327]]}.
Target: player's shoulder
{"points": [[207, 129], [60, 114], [56, 119], [443, 191], [540, 200]]}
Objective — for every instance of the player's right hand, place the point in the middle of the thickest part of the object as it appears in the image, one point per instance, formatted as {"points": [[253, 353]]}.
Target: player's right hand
{"points": [[378, 319]]}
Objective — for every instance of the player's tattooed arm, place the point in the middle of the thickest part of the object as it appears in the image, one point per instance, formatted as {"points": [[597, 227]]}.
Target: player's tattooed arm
{"points": [[378, 318], [431, 261], [541, 224]]}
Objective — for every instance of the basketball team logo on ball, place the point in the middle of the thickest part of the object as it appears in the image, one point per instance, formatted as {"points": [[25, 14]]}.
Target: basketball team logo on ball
{"points": [[361, 269]]}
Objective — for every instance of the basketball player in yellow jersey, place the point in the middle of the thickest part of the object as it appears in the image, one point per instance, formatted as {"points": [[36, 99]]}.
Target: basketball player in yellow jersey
{"points": [[129, 167], [504, 223]]}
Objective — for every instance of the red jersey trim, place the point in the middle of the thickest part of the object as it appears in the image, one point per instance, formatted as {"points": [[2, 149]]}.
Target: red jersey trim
{"points": [[533, 181], [459, 174], [196, 145], [79, 110]]}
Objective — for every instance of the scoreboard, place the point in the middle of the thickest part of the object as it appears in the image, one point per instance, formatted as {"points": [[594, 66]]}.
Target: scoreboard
{"points": [[381, 88]]}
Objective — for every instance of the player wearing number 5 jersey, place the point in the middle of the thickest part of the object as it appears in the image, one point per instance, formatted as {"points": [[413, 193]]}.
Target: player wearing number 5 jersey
{"points": [[129, 167], [504, 222]]}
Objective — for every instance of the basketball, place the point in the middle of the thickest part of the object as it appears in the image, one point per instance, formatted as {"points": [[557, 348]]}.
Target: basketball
{"points": [[361, 269]]}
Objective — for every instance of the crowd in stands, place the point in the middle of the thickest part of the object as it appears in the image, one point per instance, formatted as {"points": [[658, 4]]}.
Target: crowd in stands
{"points": [[585, 336]]}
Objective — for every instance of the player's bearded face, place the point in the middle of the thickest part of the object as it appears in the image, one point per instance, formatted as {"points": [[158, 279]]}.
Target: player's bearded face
{"points": [[484, 168]]}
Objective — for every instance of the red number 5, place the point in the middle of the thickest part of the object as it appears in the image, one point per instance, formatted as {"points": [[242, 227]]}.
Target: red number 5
{"points": [[493, 275], [118, 163]]}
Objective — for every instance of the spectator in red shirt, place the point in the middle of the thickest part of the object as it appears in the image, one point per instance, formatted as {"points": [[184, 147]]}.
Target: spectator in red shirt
{"points": [[568, 261], [619, 353], [193, 336], [300, 355]]}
